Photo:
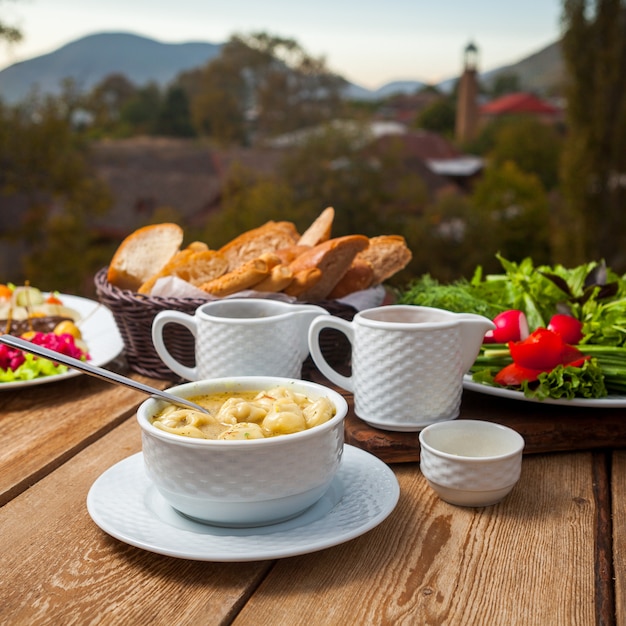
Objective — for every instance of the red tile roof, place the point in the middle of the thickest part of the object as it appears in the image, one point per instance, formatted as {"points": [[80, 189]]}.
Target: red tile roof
{"points": [[518, 103]]}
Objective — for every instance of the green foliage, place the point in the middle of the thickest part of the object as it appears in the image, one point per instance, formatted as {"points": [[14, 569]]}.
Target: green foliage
{"points": [[261, 86], [248, 201], [43, 170], [439, 117], [511, 215], [594, 156], [533, 146]]}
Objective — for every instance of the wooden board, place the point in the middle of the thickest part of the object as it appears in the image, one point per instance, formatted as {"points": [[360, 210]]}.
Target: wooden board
{"points": [[545, 428]]}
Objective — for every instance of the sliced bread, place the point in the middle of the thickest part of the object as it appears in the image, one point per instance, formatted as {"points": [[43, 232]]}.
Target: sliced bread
{"points": [[144, 253]]}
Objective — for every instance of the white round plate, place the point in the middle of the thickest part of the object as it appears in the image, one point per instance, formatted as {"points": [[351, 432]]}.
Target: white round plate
{"points": [[611, 402], [99, 331], [125, 504]]}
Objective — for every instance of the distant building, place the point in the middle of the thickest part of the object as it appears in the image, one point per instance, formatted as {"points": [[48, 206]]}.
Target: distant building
{"points": [[467, 113], [520, 103]]}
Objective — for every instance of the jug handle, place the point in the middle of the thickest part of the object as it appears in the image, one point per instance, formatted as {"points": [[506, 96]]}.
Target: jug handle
{"points": [[316, 327], [158, 324], [308, 312]]}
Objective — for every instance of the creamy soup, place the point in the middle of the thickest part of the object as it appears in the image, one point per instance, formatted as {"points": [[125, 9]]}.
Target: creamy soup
{"points": [[246, 415]]}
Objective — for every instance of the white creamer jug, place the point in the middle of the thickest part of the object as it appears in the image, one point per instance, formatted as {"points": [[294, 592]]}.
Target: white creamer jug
{"points": [[241, 337], [408, 362]]}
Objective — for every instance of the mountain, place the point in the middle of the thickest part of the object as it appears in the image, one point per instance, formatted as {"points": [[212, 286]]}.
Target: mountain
{"points": [[541, 72], [90, 59]]}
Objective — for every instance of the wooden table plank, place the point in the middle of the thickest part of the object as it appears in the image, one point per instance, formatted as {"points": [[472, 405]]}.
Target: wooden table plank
{"points": [[527, 560], [58, 567], [50, 423], [618, 476]]}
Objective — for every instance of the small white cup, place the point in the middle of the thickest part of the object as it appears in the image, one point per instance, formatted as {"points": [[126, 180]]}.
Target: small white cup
{"points": [[471, 462], [241, 337]]}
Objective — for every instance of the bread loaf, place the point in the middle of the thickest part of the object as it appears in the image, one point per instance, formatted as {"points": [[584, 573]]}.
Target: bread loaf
{"points": [[359, 276], [332, 258], [303, 281], [387, 255], [279, 277], [144, 253], [194, 264], [252, 244], [320, 230], [243, 277]]}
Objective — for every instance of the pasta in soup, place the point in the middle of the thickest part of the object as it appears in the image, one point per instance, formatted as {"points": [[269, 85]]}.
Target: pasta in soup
{"points": [[246, 415]]}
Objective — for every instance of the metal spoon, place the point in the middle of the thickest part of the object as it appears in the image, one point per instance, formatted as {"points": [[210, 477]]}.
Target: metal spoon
{"points": [[98, 372]]}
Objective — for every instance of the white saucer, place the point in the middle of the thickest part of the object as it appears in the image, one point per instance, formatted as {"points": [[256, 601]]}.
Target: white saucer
{"points": [[125, 504]]}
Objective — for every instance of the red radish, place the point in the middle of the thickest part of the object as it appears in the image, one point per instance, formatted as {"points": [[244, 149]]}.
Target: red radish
{"points": [[510, 326], [567, 326]]}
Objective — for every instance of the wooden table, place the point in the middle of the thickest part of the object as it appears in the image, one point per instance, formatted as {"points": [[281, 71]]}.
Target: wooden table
{"points": [[553, 552]]}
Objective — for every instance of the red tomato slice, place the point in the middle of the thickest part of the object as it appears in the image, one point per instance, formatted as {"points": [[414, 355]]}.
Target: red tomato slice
{"points": [[541, 350], [52, 299], [514, 375]]}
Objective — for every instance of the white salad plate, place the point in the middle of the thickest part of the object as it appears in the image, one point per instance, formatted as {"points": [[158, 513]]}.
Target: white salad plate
{"points": [[99, 331], [610, 402], [124, 503]]}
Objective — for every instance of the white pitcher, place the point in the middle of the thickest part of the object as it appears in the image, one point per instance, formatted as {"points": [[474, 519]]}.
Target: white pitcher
{"points": [[241, 337], [408, 362]]}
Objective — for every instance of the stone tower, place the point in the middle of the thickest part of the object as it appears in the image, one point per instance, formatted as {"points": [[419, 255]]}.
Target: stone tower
{"points": [[467, 97]]}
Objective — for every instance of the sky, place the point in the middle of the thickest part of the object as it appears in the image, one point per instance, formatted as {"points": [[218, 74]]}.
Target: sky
{"points": [[368, 42]]}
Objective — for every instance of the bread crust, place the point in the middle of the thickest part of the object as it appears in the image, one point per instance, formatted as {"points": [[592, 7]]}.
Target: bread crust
{"points": [[320, 230], [279, 277], [359, 276], [332, 258], [144, 253], [250, 245], [194, 264], [388, 254], [243, 277], [303, 281]]}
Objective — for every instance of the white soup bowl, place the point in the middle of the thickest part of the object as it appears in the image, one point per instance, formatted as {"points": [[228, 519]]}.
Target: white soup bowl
{"points": [[243, 482]]}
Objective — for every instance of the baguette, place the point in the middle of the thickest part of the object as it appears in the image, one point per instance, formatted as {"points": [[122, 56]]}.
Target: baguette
{"points": [[387, 254], [243, 277], [252, 244], [332, 258], [359, 276], [320, 230], [144, 253], [193, 264], [303, 281], [279, 278]]}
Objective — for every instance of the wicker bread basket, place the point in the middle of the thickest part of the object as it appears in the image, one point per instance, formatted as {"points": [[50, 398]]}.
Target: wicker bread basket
{"points": [[134, 313]]}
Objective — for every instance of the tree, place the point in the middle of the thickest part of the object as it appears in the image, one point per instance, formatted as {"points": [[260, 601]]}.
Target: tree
{"points": [[510, 214], [594, 156], [262, 85], [47, 185], [439, 117], [140, 113], [106, 101], [10, 34], [535, 148], [174, 116]]}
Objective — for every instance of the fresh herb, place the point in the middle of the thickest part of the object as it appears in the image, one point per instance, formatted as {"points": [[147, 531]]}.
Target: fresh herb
{"points": [[590, 293]]}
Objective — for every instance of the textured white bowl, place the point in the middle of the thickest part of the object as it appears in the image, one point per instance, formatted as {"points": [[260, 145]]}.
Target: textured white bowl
{"points": [[243, 483], [471, 462]]}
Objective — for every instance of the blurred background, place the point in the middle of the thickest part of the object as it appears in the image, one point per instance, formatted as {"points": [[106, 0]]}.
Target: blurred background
{"points": [[523, 156]]}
